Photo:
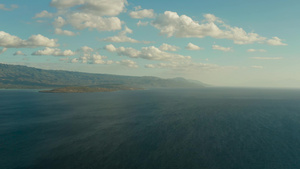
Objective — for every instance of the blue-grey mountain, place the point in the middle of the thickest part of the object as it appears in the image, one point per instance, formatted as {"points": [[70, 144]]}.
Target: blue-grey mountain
{"points": [[15, 76]]}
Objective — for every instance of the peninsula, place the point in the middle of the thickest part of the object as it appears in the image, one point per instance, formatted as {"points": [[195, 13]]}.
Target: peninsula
{"points": [[23, 77]]}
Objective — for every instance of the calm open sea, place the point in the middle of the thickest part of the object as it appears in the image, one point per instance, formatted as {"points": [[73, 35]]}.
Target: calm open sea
{"points": [[210, 128]]}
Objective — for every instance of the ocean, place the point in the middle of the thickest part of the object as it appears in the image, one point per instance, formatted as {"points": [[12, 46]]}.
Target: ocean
{"points": [[209, 128]]}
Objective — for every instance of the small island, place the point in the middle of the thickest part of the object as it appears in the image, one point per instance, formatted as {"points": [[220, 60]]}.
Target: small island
{"points": [[85, 89]]}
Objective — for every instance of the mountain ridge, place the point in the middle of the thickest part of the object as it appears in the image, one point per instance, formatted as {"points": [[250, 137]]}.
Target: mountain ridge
{"points": [[17, 76]]}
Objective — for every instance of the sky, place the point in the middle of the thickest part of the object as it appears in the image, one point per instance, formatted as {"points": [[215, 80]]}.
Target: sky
{"points": [[223, 43]]}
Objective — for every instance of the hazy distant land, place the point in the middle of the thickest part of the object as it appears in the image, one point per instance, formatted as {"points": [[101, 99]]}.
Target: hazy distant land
{"points": [[23, 77], [80, 89]]}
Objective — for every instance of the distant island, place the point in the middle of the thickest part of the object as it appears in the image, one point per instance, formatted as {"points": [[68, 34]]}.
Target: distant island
{"points": [[23, 77]]}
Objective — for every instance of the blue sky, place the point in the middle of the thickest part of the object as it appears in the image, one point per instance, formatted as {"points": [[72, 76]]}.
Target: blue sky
{"points": [[224, 43]]}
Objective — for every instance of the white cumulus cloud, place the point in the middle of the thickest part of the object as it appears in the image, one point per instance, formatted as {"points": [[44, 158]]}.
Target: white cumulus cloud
{"points": [[225, 49], [171, 24], [88, 14], [122, 37], [59, 31], [149, 53], [19, 53], [43, 14], [11, 41], [212, 18], [256, 50], [54, 52], [110, 48], [140, 23], [83, 20], [167, 47], [59, 22], [191, 46], [140, 14], [275, 41], [89, 56], [96, 7], [128, 63], [3, 50], [94, 59], [86, 49]]}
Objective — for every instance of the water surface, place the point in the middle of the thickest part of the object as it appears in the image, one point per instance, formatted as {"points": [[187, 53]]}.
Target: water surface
{"points": [[211, 128]]}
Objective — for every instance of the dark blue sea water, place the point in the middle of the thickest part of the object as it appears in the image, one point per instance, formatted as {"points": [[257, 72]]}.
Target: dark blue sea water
{"points": [[211, 128]]}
